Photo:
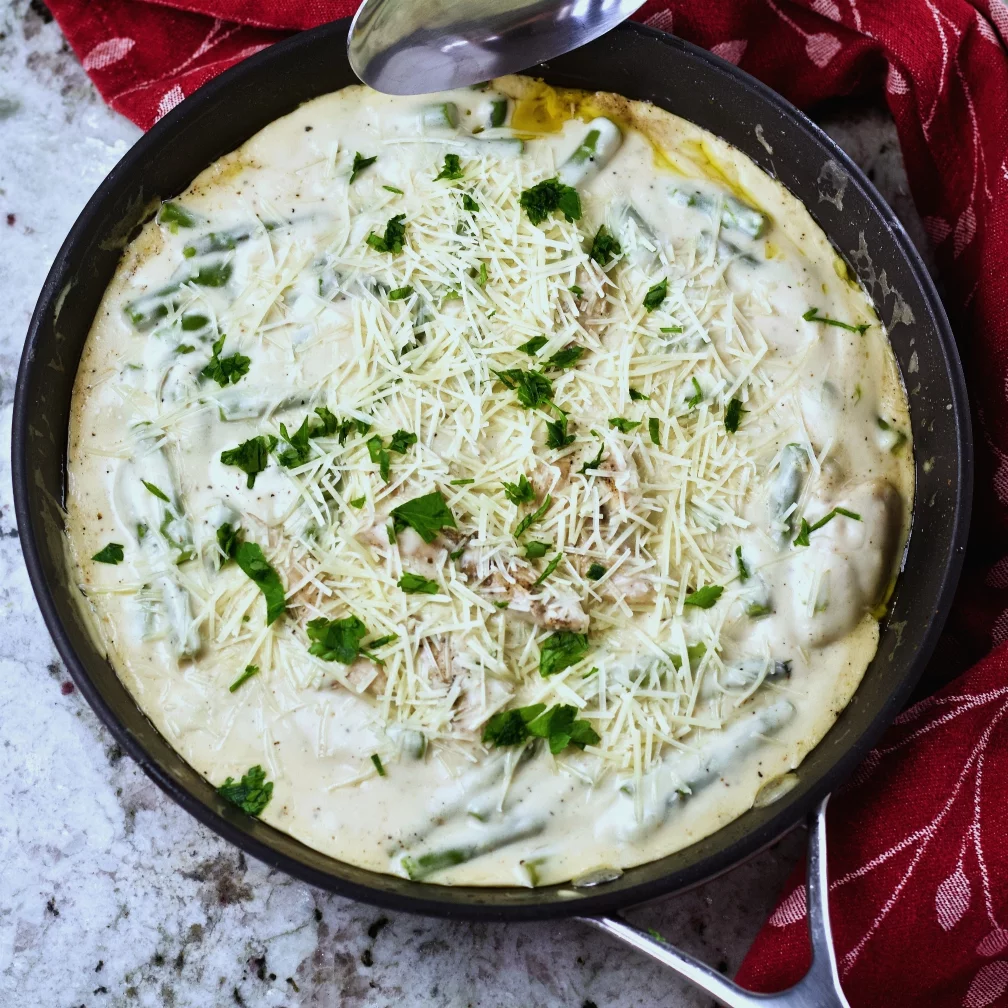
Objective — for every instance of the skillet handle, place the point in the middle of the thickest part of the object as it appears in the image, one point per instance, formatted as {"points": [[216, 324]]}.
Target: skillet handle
{"points": [[819, 988]]}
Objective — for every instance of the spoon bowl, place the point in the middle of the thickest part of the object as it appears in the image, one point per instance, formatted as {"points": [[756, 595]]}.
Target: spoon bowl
{"points": [[404, 47]]}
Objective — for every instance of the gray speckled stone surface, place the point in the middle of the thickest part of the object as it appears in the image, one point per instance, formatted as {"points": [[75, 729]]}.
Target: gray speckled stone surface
{"points": [[110, 895]]}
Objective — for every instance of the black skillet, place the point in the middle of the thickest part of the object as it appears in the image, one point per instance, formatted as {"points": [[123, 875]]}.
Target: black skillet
{"points": [[642, 64]]}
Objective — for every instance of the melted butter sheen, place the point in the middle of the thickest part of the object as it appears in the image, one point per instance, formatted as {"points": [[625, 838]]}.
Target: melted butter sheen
{"points": [[689, 735]]}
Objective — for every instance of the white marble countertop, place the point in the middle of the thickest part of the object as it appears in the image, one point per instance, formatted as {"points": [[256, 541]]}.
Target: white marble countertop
{"points": [[110, 895]]}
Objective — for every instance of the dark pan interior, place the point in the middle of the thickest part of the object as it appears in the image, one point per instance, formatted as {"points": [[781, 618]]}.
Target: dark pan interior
{"points": [[639, 63]]}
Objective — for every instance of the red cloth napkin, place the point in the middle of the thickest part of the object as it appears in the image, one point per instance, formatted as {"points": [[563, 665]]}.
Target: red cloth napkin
{"points": [[918, 840]]}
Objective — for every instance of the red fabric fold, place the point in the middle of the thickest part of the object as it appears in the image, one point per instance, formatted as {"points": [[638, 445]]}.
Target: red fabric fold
{"points": [[918, 847]]}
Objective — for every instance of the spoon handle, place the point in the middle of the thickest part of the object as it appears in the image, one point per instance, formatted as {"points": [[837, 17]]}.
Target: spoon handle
{"points": [[819, 988]]}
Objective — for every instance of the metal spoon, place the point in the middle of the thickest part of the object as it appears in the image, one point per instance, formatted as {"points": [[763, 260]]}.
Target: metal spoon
{"points": [[419, 46]]}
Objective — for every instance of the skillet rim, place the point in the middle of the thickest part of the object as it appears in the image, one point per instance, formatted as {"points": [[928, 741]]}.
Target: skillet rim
{"points": [[480, 903]]}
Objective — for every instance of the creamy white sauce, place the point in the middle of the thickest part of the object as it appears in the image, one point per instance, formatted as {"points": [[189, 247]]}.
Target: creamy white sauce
{"points": [[687, 735]]}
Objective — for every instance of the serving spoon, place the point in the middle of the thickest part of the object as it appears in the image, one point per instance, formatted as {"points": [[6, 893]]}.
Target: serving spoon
{"points": [[409, 47]]}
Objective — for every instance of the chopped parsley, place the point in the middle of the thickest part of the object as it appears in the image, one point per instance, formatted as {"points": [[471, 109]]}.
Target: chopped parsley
{"points": [[743, 569], [549, 196], [636, 396], [226, 370], [336, 640], [812, 315], [184, 348], [623, 425], [560, 725], [112, 553], [250, 670], [697, 397], [565, 358], [604, 247], [300, 450], [359, 164], [595, 462], [549, 568], [379, 454], [900, 438], [537, 550], [358, 502], [343, 428], [251, 794], [672, 329], [401, 441], [414, 584], [520, 492], [653, 431], [656, 295], [530, 519], [400, 293], [452, 168], [193, 322], [426, 515], [757, 610], [468, 203], [483, 275], [575, 290], [376, 759], [461, 482], [533, 346], [394, 189], [215, 275], [733, 415], [394, 237], [157, 491], [556, 431], [561, 650], [596, 571], [704, 598], [802, 539], [532, 388], [250, 456], [251, 559]]}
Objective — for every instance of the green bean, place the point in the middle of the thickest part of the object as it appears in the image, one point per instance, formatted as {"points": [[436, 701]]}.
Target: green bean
{"points": [[442, 116], [175, 216], [743, 673], [598, 147], [735, 215], [499, 147], [420, 866], [218, 241], [786, 489]]}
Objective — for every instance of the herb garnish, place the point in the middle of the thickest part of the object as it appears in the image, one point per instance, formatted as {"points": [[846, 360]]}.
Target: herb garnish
{"points": [[561, 650], [812, 315], [743, 569], [379, 454], [461, 482], [656, 295], [530, 519], [549, 196], [394, 189], [452, 168], [193, 322], [532, 388], [697, 397], [184, 348], [596, 571], [652, 426], [112, 553], [358, 502], [359, 164], [757, 610], [623, 425], [575, 290], [556, 431], [426, 515], [393, 239], [537, 550], [468, 203], [733, 415], [566, 357], [250, 456], [414, 584], [636, 396], [251, 559], [250, 670], [376, 759], [336, 640], [401, 441], [604, 247], [548, 569], [251, 794], [560, 725], [400, 293], [157, 491], [704, 598], [520, 492], [533, 346], [300, 450], [174, 217], [597, 461], [802, 539]]}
